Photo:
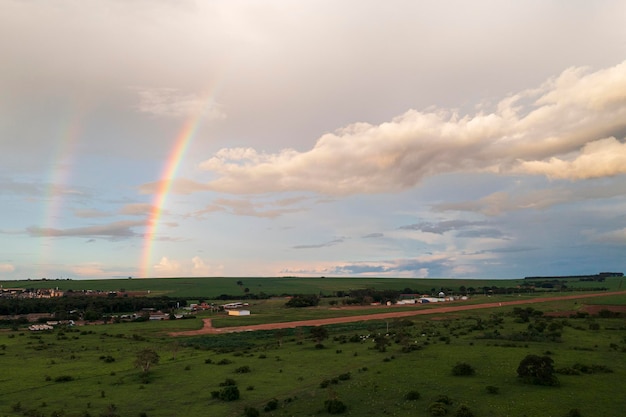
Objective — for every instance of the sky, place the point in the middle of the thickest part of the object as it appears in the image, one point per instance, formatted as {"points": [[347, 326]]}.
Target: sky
{"points": [[166, 138]]}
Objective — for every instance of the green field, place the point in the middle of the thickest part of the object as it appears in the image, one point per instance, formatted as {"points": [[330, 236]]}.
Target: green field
{"points": [[214, 287], [89, 370]]}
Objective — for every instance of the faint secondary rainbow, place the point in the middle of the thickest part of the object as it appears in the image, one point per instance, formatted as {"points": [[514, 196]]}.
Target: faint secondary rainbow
{"points": [[164, 185], [60, 174]]}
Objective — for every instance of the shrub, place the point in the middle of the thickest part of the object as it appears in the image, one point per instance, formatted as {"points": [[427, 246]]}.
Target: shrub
{"points": [[537, 370], [463, 411], [437, 409], [335, 406], [251, 412], [242, 370], [228, 382], [271, 405], [64, 378], [463, 369], [229, 393], [444, 399], [412, 396], [344, 377], [574, 412], [492, 390]]}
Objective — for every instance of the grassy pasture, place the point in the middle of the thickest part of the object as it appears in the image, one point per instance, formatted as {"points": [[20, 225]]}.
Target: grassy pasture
{"points": [[33, 367], [214, 287]]}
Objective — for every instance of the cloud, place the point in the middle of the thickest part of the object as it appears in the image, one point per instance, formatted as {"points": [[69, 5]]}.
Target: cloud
{"points": [[137, 209], [171, 102], [94, 269], [613, 237], [418, 267], [372, 235], [111, 231], [168, 268], [7, 268], [250, 208], [597, 159], [566, 115], [202, 269], [177, 186], [441, 227], [90, 213], [501, 202], [12, 187], [196, 267], [481, 233], [319, 245]]}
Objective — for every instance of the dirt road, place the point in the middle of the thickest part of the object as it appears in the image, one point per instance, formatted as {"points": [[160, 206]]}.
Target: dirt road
{"points": [[446, 308]]}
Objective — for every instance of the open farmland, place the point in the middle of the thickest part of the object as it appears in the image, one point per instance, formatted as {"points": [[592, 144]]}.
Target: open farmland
{"points": [[212, 288], [373, 367]]}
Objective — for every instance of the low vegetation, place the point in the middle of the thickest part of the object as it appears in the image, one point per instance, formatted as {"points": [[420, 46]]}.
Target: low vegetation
{"points": [[506, 361]]}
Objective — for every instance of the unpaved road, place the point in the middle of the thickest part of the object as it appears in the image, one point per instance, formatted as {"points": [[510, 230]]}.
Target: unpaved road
{"points": [[209, 329]]}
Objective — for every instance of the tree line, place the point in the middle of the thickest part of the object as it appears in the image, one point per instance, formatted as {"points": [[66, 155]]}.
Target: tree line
{"points": [[63, 306]]}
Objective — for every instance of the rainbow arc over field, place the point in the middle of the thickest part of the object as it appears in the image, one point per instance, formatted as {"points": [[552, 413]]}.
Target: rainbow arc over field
{"points": [[164, 185], [61, 167]]}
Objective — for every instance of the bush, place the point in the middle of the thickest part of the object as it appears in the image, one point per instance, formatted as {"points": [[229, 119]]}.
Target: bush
{"points": [[271, 405], [228, 382], [574, 412], [251, 412], [463, 411], [537, 370], [242, 370], [444, 399], [492, 390], [64, 378], [335, 406], [437, 409], [463, 369], [412, 396], [229, 393]]}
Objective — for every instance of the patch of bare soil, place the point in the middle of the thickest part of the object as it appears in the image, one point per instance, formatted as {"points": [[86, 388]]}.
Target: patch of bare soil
{"points": [[209, 329], [595, 309]]}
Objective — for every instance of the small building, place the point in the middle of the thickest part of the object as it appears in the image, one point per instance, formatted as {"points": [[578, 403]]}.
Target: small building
{"points": [[238, 312]]}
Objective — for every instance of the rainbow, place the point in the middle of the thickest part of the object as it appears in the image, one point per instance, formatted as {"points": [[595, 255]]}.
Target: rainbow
{"points": [[60, 172], [164, 185]]}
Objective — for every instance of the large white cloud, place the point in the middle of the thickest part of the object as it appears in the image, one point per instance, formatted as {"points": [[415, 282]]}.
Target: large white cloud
{"points": [[597, 159], [568, 115]]}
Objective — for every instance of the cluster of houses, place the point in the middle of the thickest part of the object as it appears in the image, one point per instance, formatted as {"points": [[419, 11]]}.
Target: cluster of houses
{"points": [[49, 325], [426, 298], [30, 293]]}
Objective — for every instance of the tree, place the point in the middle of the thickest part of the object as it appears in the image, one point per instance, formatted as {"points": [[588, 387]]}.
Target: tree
{"points": [[319, 333], [537, 370], [303, 300], [381, 342], [146, 358]]}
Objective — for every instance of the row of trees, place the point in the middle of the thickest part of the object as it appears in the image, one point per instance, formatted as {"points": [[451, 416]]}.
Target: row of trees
{"points": [[61, 306]]}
